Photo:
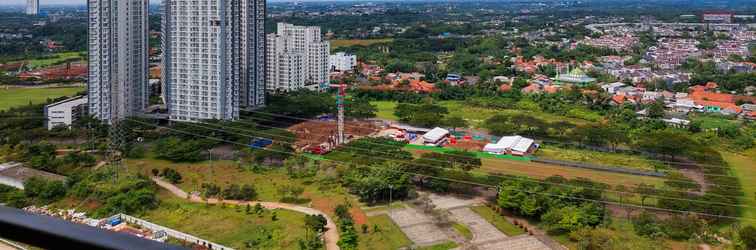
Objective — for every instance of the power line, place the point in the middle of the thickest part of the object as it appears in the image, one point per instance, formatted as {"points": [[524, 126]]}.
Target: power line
{"points": [[495, 159], [504, 176], [313, 120], [488, 174], [523, 173], [461, 181]]}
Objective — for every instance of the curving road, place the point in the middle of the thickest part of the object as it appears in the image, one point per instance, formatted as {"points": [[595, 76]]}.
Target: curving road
{"points": [[331, 235]]}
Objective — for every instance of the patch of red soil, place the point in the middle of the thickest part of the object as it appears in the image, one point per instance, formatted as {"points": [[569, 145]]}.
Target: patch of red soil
{"points": [[358, 215], [317, 132], [470, 145], [323, 204]]}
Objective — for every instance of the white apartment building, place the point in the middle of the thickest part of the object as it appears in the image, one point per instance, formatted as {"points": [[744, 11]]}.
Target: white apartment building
{"points": [[64, 113], [118, 53], [32, 7], [213, 58], [297, 57], [342, 62]]}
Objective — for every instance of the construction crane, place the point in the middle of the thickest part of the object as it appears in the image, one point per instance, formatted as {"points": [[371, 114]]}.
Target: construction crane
{"points": [[340, 99]]}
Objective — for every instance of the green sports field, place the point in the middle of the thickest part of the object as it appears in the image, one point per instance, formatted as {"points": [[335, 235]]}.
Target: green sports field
{"points": [[14, 97], [55, 59]]}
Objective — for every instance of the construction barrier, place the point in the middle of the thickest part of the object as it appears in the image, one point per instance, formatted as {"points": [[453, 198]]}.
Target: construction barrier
{"points": [[172, 233]]}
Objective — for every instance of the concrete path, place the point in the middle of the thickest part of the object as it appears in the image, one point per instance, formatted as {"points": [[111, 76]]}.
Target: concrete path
{"points": [[482, 230], [331, 235], [418, 226]]}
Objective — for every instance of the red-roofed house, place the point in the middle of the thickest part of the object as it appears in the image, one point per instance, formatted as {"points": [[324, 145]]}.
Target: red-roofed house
{"points": [[532, 88], [551, 89], [618, 99]]}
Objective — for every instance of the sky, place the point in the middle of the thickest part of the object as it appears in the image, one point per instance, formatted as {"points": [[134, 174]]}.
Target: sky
{"points": [[46, 2]]}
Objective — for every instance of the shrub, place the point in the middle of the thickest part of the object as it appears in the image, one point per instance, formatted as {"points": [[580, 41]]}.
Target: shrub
{"points": [[171, 175]]}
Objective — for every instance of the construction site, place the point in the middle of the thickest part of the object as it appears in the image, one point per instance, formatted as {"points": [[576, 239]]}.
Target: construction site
{"points": [[67, 71]]}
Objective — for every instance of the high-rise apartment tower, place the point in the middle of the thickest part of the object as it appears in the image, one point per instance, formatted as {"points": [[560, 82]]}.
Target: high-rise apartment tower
{"points": [[297, 58], [118, 67], [32, 7], [213, 58]]}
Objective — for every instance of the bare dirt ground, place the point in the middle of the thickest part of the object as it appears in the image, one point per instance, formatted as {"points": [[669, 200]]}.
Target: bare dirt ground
{"points": [[468, 145], [317, 132], [698, 177]]}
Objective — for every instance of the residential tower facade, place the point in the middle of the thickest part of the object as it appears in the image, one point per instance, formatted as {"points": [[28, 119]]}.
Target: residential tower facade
{"points": [[297, 57], [32, 7], [118, 52], [213, 58]]}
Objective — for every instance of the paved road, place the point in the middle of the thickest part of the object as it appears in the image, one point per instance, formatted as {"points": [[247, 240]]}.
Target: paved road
{"points": [[331, 235]]}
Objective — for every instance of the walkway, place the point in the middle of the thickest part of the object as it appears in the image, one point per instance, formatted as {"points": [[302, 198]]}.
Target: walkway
{"points": [[331, 235]]}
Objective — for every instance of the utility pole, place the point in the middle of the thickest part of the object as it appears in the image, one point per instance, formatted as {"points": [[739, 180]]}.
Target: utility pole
{"points": [[340, 99], [115, 147]]}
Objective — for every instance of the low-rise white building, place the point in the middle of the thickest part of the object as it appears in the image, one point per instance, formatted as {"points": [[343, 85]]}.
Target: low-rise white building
{"points": [[64, 113], [612, 88], [436, 137], [342, 62], [15, 174]]}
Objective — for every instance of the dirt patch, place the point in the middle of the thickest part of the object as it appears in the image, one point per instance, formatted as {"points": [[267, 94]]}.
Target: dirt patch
{"points": [[698, 177], [470, 145], [323, 204], [358, 215], [317, 132], [328, 206], [622, 211]]}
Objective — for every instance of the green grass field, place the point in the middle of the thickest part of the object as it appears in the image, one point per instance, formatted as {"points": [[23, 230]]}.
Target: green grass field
{"points": [[498, 221], [223, 173], [598, 158], [230, 226], [57, 58], [389, 235], [14, 97], [364, 42], [542, 171], [385, 110], [744, 167], [462, 230], [475, 116]]}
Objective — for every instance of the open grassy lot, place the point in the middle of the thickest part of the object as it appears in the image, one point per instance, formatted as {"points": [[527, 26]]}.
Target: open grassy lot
{"points": [[388, 236], [385, 110], [744, 166], [364, 42], [598, 158], [13, 97], [223, 173], [57, 58], [228, 225], [542, 171], [475, 116], [498, 221], [503, 166]]}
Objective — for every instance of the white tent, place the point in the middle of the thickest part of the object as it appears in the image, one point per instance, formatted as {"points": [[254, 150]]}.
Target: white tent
{"points": [[516, 145]]}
